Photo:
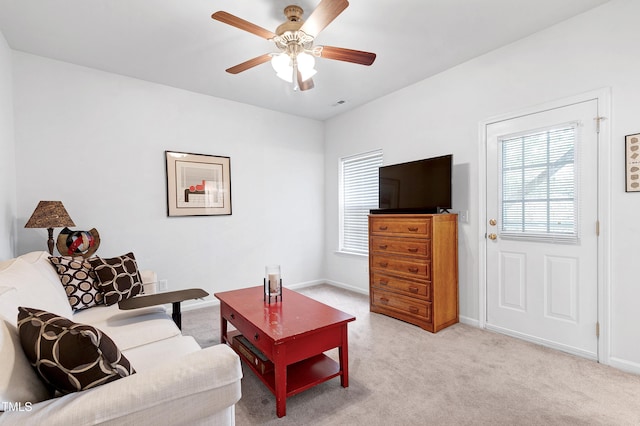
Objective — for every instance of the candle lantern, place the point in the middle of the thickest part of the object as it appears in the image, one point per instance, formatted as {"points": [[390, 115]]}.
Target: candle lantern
{"points": [[272, 283]]}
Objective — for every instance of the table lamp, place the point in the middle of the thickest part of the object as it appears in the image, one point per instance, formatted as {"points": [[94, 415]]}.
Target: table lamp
{"points": [[49, 214]]}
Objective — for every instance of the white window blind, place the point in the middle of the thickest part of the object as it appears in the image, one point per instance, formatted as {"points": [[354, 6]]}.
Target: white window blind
{"points": [[358, 195], [539, 184]]}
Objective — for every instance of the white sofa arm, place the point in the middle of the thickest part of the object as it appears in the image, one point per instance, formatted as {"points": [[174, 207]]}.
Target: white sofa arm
{"points": [[149, 281], [188, 390]]}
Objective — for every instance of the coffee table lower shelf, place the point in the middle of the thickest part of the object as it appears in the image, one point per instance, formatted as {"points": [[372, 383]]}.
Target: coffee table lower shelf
{"points": [[301, 375]]}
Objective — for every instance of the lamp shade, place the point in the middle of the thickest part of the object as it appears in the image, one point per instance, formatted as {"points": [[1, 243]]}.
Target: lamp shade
{"points": [[49, 214]]}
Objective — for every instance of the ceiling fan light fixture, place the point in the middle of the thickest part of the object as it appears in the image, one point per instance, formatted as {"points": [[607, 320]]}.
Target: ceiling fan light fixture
{"points": [[306, 64], [286, 76], [282, 65], [306, 75]]}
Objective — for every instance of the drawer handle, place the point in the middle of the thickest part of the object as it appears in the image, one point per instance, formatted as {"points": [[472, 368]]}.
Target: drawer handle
{"points": [[383, 282], [383, 228], [413, 289], [413, 309], [413, 270], [233, 316], [384, 300], [256, 336], [383, 246], [413, 228], [413, 250], [384, 264]]}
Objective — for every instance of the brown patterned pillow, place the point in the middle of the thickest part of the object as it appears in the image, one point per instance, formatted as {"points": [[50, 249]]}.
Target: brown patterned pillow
{"points": [[79, 281], [68, 356], [119, 277]]}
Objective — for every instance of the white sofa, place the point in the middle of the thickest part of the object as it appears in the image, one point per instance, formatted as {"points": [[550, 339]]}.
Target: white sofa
{"points": [[176, 382]]}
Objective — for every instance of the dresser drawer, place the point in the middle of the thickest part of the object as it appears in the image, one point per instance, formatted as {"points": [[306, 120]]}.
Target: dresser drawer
{"points": [[392, 283], [421, 248], [389, 226], [248, 330], [414, 268], [414, 307]]}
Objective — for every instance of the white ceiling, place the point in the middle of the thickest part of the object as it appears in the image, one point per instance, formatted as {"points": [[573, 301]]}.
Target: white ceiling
{"points": [[176, 43]]}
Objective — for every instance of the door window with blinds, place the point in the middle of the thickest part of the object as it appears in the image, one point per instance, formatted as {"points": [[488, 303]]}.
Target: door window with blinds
{"points": [[538, 184], [358, 195]]}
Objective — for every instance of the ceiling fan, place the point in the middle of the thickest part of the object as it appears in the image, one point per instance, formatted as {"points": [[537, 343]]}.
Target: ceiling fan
{"points": [[295, 60]]}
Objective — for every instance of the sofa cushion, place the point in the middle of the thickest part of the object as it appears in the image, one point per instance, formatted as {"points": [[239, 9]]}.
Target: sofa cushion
{"points": [[39, 260], [119, 277], [8, 304], [197, 389], [146, 357], [131, 328], [79, 281], [69, 356], [32, 288], [18, 380]]}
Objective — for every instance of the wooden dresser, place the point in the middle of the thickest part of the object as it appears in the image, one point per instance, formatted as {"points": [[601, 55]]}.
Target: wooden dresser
{"points": [[413, 268]]}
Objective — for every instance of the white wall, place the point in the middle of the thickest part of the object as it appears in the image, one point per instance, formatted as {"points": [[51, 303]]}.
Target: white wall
{"points": [[96, 141], [7, 159], [442, 114]]}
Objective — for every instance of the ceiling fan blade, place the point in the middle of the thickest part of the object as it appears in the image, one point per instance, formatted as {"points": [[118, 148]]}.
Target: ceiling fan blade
{"points": [[348, 55], [322, 16], [240, 23], [249, 64], [305, 85]]}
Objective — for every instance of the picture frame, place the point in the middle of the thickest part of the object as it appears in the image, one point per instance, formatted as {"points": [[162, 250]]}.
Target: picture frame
{"points": [[632, 165], [198, 184]]}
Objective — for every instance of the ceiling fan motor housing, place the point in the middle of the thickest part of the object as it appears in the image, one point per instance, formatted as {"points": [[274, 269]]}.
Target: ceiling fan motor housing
{"points": [[289, 37], [293, 12], [294, 20]]}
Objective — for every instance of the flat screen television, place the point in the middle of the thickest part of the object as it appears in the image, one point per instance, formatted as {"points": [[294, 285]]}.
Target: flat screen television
{"points": [[422, 186]]}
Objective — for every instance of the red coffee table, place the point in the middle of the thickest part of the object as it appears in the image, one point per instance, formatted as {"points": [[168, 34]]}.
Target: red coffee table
{"points": [[293, 334]]}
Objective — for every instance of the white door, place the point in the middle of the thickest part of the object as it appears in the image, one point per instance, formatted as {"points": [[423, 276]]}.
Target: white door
{"points": [[542, 210]]}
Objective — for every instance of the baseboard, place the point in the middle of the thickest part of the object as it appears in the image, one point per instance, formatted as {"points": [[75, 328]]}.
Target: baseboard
{"points": [[305, 284], [469, 321], [348, 287], [624, 365], [190, 306], [620, 364], [329, 282], [543, 342], [197, 304]]}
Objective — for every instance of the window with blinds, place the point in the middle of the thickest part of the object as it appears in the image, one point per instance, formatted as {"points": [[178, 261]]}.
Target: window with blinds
{"points": [[538, 194], [358, 195]]}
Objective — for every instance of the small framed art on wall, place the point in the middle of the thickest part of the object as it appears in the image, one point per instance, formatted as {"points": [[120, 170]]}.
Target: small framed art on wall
{"points": [[198, 184]]}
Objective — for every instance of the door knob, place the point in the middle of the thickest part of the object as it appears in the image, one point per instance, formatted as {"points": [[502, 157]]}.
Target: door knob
{"points": [[492, 222], [492, 236]]}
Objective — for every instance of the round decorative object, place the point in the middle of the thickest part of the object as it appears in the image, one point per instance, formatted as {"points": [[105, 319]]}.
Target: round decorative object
{"points": [[78, 243]]}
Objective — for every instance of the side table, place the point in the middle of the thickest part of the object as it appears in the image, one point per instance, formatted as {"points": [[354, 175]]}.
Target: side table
{"points": [[174, 297]]}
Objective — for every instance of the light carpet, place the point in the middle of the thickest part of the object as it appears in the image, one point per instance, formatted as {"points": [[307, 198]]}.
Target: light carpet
{"points": [[400, 374]]}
